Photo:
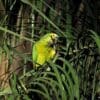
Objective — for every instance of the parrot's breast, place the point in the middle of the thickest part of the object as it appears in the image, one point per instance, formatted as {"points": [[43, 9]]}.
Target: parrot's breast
{"points": [[45, 54]]}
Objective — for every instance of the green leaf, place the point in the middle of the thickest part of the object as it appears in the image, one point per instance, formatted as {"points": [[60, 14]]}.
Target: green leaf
{"points": [[96, 37]]}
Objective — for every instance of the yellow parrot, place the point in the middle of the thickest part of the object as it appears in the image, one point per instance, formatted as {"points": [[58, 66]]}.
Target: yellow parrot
{"points": [[44, 49]]}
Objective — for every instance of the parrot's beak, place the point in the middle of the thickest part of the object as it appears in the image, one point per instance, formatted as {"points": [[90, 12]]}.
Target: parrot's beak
{"points": [[55, 39]]}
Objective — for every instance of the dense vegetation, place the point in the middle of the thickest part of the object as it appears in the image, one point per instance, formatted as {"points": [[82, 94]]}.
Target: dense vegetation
{"points": [[75, 71]]}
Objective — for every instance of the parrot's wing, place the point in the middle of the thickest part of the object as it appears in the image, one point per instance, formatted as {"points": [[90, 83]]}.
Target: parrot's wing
{"points": [[34, 53]]}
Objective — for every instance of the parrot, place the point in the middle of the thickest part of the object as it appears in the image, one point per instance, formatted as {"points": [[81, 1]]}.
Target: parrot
{"points": [[44, 49]]}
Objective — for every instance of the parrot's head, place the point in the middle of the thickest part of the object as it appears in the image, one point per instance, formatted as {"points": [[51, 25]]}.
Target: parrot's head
{"points": [[51, 39]]}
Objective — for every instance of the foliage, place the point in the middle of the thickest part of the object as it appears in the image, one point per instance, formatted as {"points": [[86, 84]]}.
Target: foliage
{"points": [[74, 72]]}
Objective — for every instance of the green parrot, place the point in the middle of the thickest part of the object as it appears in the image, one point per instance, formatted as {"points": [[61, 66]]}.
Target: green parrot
{"points": [[44, 49]]}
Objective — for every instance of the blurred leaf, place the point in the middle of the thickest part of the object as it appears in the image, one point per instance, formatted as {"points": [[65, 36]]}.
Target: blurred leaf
{"points": [[96, 37], [15, 34], [43, 15]]}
